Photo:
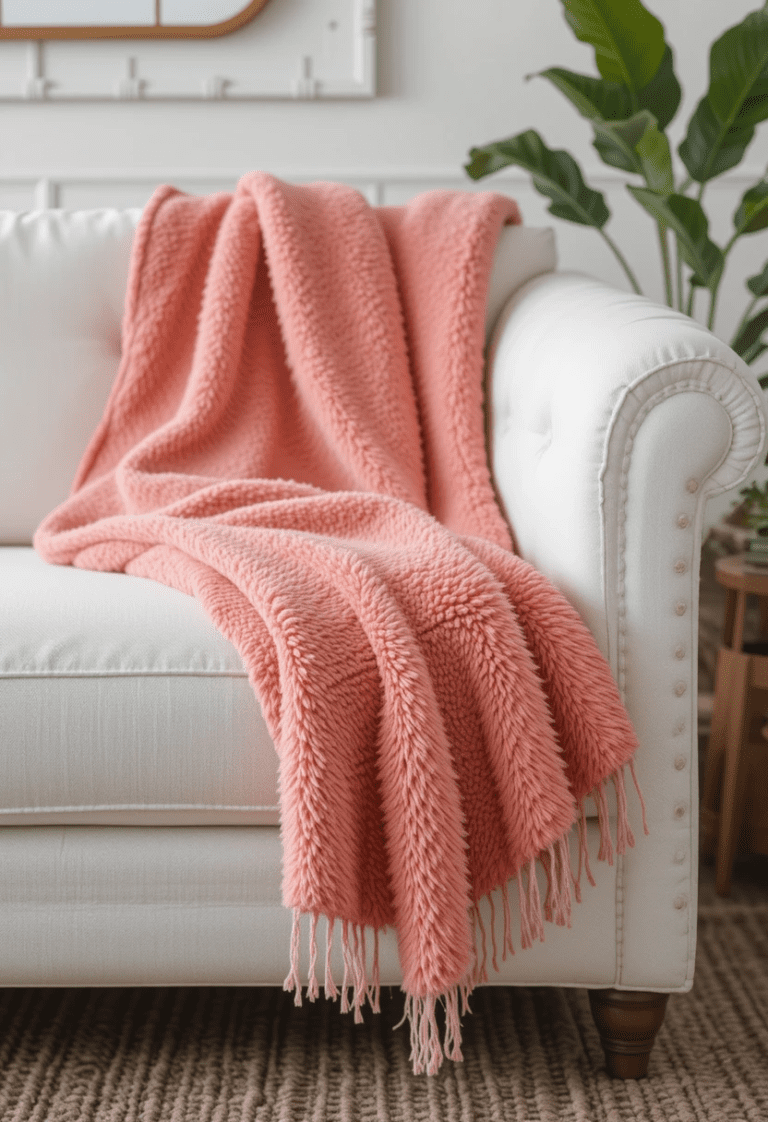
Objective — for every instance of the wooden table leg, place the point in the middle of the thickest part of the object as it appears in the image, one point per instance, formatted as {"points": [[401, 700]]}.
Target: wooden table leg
{"points": [[730, 616], [733, 793], [737, 639], [713, 768]]}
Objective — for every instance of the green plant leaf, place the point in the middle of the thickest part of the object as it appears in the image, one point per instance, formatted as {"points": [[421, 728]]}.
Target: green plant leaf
{"points": [[756, 497], [687, 218], [752, 213], [593, 97], [749, 339], [628, 40], [623, 140], [656, 157], [758, 285], [616, 141], [709, 149], [723, 122], [663, 93], [636, 145], [555, 174], [752, 356], [612, 101]]}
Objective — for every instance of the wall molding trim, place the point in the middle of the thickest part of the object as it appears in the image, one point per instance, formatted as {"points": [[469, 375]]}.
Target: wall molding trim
{"points": [[392, 174], [48, 188]]}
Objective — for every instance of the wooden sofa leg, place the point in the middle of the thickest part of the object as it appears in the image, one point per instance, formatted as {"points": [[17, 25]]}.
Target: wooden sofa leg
{"points": [[627, 1021]]}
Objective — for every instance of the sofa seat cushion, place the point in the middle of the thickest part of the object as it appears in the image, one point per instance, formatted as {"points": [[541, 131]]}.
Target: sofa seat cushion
{"points": [[121, 704]]}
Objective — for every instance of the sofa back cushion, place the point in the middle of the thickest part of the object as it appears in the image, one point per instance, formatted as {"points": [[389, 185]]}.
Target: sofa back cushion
{"points": [[62, 284]]}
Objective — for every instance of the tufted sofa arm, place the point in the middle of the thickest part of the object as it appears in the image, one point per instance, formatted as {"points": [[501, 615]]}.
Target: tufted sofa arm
{"points": [[613, 419]]}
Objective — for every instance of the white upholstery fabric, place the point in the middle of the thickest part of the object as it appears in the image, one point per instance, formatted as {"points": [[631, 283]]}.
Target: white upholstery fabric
{"points": [[112, 906], [576, 367], [613, 420], [121, 703], [62, 283], [522, 253]]}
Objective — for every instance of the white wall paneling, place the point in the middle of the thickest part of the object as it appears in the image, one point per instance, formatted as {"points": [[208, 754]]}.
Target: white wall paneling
{"points": [[293, 49]]}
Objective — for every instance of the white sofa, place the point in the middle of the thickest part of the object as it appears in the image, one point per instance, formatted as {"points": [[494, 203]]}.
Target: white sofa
{"points": [[139, 836]]}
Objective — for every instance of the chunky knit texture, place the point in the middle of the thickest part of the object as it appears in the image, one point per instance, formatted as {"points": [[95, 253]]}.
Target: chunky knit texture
{"points": [[296, 438]]}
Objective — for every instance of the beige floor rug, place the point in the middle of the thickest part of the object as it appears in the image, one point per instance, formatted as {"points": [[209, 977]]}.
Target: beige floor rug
{"points": [[221, 1055]]}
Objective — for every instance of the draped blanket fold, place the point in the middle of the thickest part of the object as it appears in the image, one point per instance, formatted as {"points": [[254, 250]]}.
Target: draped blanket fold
{"points": [[296, 438]]}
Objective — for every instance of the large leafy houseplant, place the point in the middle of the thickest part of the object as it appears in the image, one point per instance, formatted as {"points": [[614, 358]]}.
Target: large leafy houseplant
{"points": [[630, 107]]}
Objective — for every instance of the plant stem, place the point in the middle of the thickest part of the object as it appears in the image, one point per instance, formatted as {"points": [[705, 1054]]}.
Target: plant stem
{"points": [[713, 296], [679, 277], [728, 247], [665, 262], [684, 185], [744, 318], [691, 294], [753, 352], [624, 263]]}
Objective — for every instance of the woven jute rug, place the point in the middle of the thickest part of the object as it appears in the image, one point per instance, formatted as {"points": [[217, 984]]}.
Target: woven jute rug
{"points": [[193, 1055]]}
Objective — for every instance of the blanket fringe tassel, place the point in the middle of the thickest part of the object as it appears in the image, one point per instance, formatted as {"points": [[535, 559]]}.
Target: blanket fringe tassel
{"points": [[428, 1045]]}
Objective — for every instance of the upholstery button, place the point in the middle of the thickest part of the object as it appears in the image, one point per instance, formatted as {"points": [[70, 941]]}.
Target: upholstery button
{"points": [[680, 566], [679, 762], [683, 521], [680, 608], [692, 485], [680, 902], [680, 651], [679, 857], [679, 689], [678, 729], [679, 810]]}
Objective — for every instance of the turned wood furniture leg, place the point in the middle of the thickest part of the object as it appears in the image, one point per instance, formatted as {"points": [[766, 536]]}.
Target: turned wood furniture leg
{"points": [[627, 1021]]}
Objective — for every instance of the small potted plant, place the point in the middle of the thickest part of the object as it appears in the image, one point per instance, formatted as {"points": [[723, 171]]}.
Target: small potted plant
{"points": [[754, 514]]}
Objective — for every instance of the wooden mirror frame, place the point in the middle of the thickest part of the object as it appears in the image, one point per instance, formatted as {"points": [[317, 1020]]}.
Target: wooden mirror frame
{"points": [[153, 31]]}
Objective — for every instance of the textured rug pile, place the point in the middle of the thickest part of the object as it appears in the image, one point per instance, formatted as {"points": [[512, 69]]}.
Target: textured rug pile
{"points": [[531, 1055]]}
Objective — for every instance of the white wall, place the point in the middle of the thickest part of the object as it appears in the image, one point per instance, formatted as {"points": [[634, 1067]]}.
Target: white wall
{"points": [[450, 74]]}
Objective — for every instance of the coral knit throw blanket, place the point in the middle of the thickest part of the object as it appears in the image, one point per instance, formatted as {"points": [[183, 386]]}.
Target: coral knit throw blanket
{"points": [[296, 438]]}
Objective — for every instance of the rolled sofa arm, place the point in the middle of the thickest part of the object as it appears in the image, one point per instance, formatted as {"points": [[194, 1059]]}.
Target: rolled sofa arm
{"points": [[613, 419]]}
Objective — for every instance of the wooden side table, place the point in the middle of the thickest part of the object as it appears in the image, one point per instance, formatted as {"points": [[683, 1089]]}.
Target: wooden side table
{"points": [[734, 806]]}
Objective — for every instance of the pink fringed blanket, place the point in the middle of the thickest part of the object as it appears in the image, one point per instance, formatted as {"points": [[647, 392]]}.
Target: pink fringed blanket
{"points": [[296, 438]]}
